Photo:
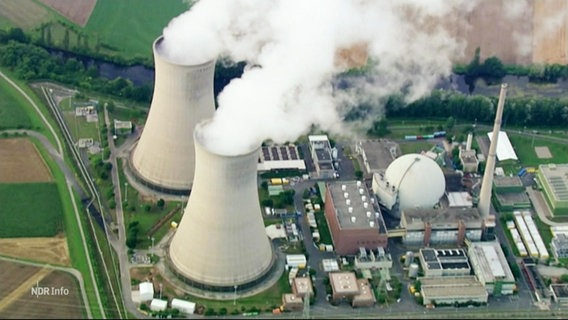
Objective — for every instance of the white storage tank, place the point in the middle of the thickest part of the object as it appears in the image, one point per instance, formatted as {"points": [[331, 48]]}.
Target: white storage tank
{"points": [[413, 270]]}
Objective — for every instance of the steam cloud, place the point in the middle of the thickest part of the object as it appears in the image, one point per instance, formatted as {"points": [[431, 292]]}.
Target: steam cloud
{"points": [[291, 47]]}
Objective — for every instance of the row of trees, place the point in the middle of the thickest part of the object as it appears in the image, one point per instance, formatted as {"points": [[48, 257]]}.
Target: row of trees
{"points": [[519, 111]]}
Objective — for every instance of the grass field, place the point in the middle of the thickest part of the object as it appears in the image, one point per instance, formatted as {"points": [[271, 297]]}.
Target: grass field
{"points": [[132, 25], [12, 115], [30, 210], [524, 148]]}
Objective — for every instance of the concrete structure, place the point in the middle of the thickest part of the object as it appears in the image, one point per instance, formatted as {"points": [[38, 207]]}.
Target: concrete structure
{"points": [[487, 183], [365, 298], [186, 307], [507, 184], [291, 302], [146, 291], [330, 265], [559, 246], [158, 305], [221, 242], [353, 219], [321, 155], [553, 178], [164, 157], [451, 290], [444, 262], [372, 260], [377, 155], [460, 199], [280, 157], [343, 285], [559, 293], [505, 150], [426, 227], [403, 184], [302, 286], [468, 160], [122, 127], [296, 260], [491, 267], [413, 270]]}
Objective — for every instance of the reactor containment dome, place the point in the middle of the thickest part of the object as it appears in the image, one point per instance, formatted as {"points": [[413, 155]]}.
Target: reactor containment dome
{"points": [[410, 181]]}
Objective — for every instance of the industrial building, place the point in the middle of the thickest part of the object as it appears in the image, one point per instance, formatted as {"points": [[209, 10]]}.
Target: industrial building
{"points": [[436, 153], [491, 267], [468, 157], [377, 155], [346, 287], [559, 293], [302, 286], [158, 305], [122, 127], [164, 157], [353, 218], [280, 157], [510, 194], [451, 290], [444, 262], [559, 246], [186, 307], [291, 302], [220, 243], [321, 155], [459, 199], [372, 260], [505, 150], [425, 227], [402, 186], [530, 235], [553, 178]]}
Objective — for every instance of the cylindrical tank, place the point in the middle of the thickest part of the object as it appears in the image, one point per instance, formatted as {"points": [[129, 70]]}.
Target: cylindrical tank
{"points": [[409, 258], [413, 270], [164, 158], [221, 241]]}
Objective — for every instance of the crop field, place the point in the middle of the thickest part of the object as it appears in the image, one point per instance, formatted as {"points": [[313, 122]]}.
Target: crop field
{"points": [[20, 162], [30, 210], [17, 300], [52, 250], [76, 11], [131, 26], [24, 14], [12, 115]]}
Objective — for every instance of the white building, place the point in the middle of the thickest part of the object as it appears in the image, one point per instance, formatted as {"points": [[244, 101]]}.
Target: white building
{"points": [[505, 150], [158, 305], [491, 267], [146, 291], [183, 306], [296, 260]]}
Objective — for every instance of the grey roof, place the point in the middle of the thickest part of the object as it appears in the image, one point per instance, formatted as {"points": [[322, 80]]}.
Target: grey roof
{"points": [[506, 181], [443, 216], [379, 153], [359, 212]]}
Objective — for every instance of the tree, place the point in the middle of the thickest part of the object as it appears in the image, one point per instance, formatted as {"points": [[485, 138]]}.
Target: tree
{"points": [[161, 203], [379, 128], [450, 122]]}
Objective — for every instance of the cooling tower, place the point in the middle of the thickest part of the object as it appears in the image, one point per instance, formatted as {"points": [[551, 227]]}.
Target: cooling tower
{"points": [[183, 96], [221, 242], [487, 184]]}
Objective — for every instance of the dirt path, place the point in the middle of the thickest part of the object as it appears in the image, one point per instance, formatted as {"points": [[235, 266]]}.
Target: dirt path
{"points": [[24, 288]]}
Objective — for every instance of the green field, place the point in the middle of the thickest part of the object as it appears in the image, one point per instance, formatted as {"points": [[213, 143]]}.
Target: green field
{"points": [[524, 147], [132, 25], [12, 115], [30, 210]]}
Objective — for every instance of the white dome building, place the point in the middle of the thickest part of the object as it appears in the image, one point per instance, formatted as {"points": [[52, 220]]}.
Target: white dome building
{"points": [[411, 181]]}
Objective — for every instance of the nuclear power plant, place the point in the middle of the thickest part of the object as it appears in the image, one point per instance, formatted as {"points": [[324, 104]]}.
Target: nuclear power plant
{"points": [[164, 157], [220, 243], [487, 183]]}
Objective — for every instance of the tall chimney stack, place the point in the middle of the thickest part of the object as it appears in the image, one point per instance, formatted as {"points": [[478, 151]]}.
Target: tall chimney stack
{"points": [[487, 183]]}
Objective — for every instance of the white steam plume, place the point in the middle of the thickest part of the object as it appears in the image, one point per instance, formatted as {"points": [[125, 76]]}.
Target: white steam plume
{"points": [[293, 45]]}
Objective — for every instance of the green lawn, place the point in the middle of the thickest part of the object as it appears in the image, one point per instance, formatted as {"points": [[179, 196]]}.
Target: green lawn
{"points": [[524, 147], [30, 210], [132, 25], [12, 115]]}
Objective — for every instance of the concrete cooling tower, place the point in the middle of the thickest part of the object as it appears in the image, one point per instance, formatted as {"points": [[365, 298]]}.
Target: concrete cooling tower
{"points": [[164, 157], [221, 242]]}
